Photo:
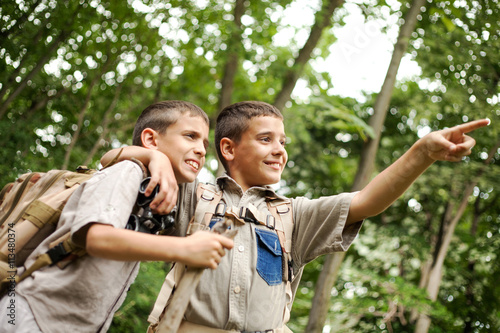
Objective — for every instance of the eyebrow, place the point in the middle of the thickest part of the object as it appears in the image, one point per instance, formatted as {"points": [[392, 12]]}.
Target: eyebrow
{"points": [[282, 136]]}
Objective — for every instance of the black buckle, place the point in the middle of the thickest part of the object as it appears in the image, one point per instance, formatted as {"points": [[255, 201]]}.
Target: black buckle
{"points": [[57, 253], [220, 210], [247, 215], [290, 270]]}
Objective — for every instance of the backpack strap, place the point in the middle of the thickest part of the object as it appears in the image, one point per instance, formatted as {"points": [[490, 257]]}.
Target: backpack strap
{"points": [[61, 252], [207, 205], [4, 191], [114, 160], [282, 212]]}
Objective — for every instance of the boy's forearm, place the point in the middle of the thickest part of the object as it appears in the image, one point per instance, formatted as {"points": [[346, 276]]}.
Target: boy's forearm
{"points": [[202, 249], [390, 184], [450, 144], [107, 242], [140, 153]]}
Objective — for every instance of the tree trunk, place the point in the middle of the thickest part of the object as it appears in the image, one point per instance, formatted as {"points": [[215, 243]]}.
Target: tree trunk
{"points": [[231, 65], [469, 291], [81, 117], [366, 166], [435, 276], [323, 21], [105, 126]]}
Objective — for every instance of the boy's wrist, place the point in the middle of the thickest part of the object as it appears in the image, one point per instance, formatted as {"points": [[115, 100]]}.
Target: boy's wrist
{"points": [[422, 152]]}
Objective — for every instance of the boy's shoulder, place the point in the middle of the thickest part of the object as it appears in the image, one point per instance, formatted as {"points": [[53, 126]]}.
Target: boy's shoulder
{"points": [[126, 165], [121, 171]]}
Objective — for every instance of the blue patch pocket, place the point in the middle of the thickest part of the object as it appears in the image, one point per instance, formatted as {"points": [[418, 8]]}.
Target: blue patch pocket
{"points": [[269, 257], [213, 221]]}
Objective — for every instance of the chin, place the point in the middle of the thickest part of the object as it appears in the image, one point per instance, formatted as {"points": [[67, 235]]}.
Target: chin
{"points": [[191, 178]]}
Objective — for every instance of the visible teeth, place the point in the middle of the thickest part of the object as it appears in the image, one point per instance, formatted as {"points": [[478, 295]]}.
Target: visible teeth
{"points": [[274, 164], [193, 164]]}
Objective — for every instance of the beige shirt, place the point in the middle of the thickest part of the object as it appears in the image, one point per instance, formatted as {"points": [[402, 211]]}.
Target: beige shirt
{"points": [[84, 296], [235, 296]]}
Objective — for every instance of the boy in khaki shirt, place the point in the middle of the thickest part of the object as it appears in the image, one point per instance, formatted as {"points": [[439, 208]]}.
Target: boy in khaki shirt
{"points": [[245, 292], [83, 296]]}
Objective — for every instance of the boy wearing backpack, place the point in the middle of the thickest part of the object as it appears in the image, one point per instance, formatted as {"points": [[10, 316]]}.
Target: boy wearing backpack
{"points": [[254, 286], [83, 296]]}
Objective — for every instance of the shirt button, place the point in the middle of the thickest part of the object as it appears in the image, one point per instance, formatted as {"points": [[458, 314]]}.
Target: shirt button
{"points": [[241, 248], [237, 289]]}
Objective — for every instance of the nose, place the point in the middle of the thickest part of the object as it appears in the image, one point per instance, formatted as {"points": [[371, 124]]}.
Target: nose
{"points": [[200, 149], [278, 148]]}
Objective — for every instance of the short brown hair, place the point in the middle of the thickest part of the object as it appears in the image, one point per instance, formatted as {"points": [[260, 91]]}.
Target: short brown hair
{"points": [[234, 119], [159, 116]]}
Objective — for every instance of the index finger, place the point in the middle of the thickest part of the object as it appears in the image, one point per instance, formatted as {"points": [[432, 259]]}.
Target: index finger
{"points": [[473, 125], [226, 242], [151, 186]]}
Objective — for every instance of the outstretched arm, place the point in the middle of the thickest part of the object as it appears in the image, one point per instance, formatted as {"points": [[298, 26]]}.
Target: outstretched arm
{"points": [[450, 144], [202, 249], [161, 171]]}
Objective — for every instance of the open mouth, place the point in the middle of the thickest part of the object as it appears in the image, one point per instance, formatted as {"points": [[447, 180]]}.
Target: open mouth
{"points": [[194, 164], [274, 165]]}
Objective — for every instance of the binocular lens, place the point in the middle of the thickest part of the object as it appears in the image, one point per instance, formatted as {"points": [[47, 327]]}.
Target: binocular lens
{"points": [[142, 199], [133, 223]]}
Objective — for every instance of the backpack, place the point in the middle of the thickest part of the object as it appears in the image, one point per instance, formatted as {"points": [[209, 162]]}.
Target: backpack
{"points": [[30, 208], [29, 211], [210, 209]]}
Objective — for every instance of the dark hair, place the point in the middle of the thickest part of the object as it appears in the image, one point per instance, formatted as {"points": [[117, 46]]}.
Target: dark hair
{"points": [[234, 119], [158, 116]]}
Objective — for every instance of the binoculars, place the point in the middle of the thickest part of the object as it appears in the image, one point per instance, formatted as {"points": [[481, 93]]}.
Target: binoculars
{"points": [[144, 220]]}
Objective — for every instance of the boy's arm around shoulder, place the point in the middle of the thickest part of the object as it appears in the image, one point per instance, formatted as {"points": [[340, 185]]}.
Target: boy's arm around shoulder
{"points": [[202, 249], [161, 172], [450, 144]]}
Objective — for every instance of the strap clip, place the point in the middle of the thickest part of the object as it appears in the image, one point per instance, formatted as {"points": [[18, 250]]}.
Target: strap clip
{"points": [[57, 253], [247, 216], [220, 210], [270, 222]]}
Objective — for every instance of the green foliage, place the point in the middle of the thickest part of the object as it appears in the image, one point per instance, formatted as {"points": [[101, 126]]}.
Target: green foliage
{"points": [[105, 61], [133, 314]]}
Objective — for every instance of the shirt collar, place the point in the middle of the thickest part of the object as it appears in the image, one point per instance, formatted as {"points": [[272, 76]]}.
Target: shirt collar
{"points": [[225, 182]]}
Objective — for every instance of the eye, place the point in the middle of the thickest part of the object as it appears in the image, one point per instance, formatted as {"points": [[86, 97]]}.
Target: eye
{"points": [[190, 135], [266, 139]]}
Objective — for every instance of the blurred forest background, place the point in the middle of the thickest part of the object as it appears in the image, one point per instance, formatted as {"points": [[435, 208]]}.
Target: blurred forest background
{"points": [[74, 76]]}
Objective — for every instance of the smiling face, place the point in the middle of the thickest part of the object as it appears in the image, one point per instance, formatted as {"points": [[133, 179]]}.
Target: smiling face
{"points": [[259, 157], [185, 143]]}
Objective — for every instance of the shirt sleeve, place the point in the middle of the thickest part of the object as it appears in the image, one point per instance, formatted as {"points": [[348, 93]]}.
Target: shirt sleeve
{"points": [[108, 197], [320, 227]]}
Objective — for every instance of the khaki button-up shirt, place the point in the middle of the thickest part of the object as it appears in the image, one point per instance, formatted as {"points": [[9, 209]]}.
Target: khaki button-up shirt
{"points": [[235, 296]]}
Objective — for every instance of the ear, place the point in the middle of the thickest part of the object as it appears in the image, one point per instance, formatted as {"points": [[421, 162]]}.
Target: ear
{"points": [[227, 148], [148, 138]]}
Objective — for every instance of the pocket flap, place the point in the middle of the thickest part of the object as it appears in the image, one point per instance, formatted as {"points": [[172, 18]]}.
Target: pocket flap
{"points": [[270, 240]]}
